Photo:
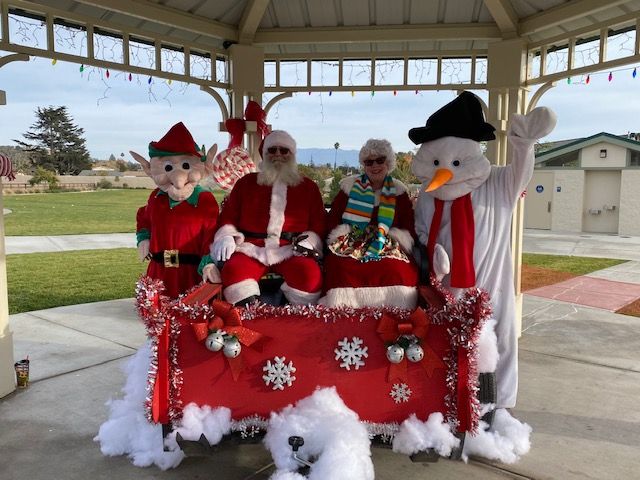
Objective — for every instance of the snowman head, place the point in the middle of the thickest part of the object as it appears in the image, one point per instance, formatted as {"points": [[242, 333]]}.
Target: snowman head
{"points": [[450, 159], [450, 167]]}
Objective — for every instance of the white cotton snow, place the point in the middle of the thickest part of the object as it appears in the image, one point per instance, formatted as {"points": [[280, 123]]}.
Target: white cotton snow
{"points": [[286, 475], [416, 436], [127, 431], [488, 348], [507, 440], [334, 439], [212, 422]]}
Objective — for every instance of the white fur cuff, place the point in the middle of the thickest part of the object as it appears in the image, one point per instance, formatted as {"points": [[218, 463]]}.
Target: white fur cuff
{"points": [[403, 237], [394, 296], [229, 230], [299, 297], [241, 290], [340, 230]]}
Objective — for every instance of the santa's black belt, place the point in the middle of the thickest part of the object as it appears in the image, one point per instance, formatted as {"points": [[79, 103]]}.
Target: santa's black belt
{"points": [[173, 258], [288, 236]]}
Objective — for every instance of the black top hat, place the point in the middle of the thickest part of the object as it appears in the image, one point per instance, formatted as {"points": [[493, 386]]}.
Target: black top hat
{"points": [[461, 117]]}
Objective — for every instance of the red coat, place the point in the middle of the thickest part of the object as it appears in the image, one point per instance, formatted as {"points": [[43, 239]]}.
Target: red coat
{"points": [[272, 210], [188, 227], [392, 282]]}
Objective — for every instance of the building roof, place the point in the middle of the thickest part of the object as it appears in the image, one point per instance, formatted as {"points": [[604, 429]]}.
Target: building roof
{"points": [[579, 144]]}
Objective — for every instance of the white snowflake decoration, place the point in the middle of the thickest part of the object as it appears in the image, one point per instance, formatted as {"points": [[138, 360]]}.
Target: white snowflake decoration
{"points": [[351, 353], [400, 392], [278, 373]]}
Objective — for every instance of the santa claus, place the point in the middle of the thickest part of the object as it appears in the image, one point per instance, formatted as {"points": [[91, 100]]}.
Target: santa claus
{"points": [[266, 215]]}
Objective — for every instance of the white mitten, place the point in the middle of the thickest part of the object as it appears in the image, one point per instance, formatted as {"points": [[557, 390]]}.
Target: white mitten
{"points": [[210, 273], [222, 249], [143, 250], [305, 243], [536, 124], [441, 263]]}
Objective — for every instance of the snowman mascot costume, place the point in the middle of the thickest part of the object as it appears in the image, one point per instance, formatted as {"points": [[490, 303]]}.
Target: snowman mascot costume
{"points": [[464, 210]]}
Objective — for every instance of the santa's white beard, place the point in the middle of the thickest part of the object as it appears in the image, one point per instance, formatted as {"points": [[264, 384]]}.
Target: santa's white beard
{"points": [[286, 173]]}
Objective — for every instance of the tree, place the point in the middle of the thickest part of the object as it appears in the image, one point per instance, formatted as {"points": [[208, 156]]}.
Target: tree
{"points": [[55, 143], [335, 159], [403, 168], [42, 175], [335, 185]]}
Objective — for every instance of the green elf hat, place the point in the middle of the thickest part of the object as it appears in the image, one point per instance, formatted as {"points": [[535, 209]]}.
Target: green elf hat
{"points": [[177, 141]]}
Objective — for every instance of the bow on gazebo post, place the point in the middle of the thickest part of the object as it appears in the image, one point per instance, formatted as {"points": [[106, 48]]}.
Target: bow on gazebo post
{"points": [[237, 127], [6, 168]]}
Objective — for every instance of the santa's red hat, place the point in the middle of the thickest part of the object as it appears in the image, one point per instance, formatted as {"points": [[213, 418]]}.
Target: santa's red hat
{"points": [[177, 141], [279, 138]]}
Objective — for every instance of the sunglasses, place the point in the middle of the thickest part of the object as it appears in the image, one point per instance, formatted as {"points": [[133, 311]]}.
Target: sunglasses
{"points": [[283, 150], [370, 161]]}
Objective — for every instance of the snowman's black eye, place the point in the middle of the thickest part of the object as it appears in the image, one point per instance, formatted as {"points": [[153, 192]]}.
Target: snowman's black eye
{"points": [[186, 165], [436, 162], [456, 163]]}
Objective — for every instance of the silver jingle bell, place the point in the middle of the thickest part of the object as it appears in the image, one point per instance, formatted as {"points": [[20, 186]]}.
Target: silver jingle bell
{"points": [[415, 353], [215, 341], [232, 348], [395, 353]]}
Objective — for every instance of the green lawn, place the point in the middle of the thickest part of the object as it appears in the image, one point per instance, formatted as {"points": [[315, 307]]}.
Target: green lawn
{"points": [[45, 280], [74, 213], [570, 264]]}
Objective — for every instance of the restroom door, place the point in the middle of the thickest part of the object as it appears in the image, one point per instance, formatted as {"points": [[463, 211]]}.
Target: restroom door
{"points": [[537, 203], [601, 210]]}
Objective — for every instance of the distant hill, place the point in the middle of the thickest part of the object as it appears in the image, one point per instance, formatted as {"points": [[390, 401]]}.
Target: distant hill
{"points": [[322, 156]]}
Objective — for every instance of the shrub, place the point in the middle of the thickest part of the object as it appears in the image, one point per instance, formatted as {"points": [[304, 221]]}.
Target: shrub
{"points": [[104, 183], [43, 175]]}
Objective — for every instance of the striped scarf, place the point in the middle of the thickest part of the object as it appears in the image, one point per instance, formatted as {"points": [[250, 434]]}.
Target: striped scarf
{"points": [[360, 207]]}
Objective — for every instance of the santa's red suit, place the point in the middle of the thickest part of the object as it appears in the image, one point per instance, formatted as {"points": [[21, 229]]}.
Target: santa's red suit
{"points": [[263, 219]]}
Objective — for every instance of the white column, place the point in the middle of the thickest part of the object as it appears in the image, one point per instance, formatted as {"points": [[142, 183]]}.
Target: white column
{"points": [[247, 82], [7, 373], [507, 61]]}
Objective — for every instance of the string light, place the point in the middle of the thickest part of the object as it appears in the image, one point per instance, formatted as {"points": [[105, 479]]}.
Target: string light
{"points": [[634, 72], [569, 80], [588, 79], [373, 92], [395, 92], [54, 61], [130, 77], [330, 93], [149, 81], [353, 94], [610, 76], [81, 68], [107, 74]]}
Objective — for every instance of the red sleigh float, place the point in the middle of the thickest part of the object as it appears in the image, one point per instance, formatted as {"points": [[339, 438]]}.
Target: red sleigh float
{"points": [[288, 352]]}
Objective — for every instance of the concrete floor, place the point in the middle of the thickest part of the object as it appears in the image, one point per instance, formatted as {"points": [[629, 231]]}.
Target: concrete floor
{"points": [[580, 381]]}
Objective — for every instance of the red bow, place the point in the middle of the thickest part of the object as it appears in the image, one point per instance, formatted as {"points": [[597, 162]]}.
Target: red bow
{"points": [[237, 126], [390, 328], [227, 318]]}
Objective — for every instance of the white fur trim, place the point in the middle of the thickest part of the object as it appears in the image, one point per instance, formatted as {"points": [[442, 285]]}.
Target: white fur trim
{"points": [[488, 348], [276, 215], [314, 240], [347, 183], [339, 231], [393, 296], [229, 230], [241, 290], [299, 297], [266, 256], [403, 237]]}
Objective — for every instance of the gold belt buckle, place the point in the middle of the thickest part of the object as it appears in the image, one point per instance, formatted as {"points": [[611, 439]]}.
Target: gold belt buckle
{"points": [[171, 259]]}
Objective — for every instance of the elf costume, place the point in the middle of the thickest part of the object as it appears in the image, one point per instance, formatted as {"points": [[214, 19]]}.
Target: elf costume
{"points": [[179, 219]]}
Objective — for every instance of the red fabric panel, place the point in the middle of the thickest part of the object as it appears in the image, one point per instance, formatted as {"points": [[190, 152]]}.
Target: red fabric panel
{"points": [[310, 344], [463, 273]]}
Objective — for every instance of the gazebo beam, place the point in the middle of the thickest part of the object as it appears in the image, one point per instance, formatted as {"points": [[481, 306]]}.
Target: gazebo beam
{"points": [[505, 16], [171, 17], [387, 33], [251, 18], [563, 13]]}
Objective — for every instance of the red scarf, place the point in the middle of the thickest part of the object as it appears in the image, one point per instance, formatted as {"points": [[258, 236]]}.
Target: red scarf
{"points": [[463, 273]]}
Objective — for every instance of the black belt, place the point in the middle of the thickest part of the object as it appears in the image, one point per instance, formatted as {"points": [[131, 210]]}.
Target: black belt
{"points": [[288, 236], [173, 258]]}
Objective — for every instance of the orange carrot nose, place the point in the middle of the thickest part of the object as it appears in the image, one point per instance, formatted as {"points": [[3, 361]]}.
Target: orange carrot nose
{"points": [[441, 177]]}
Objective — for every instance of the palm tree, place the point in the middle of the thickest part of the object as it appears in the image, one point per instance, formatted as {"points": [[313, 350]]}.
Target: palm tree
{"points": [[335, 158]]}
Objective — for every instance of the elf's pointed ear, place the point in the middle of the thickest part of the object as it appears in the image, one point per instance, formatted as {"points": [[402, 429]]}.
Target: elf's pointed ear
{"points": [[146, 166], [211, 154]]}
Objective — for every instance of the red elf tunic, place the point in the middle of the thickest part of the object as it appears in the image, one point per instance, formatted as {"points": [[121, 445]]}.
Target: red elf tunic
{"points": [[187, 226]]}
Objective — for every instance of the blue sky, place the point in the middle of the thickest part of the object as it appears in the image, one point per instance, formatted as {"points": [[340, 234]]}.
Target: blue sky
{"points": [[120, 115]]}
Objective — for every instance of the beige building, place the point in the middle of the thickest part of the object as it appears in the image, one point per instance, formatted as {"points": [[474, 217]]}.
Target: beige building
{"points": [[587, 185]]}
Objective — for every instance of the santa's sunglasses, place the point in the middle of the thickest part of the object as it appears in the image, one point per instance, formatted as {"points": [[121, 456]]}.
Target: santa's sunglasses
{"points": [[283, 150], [370, 161]]}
